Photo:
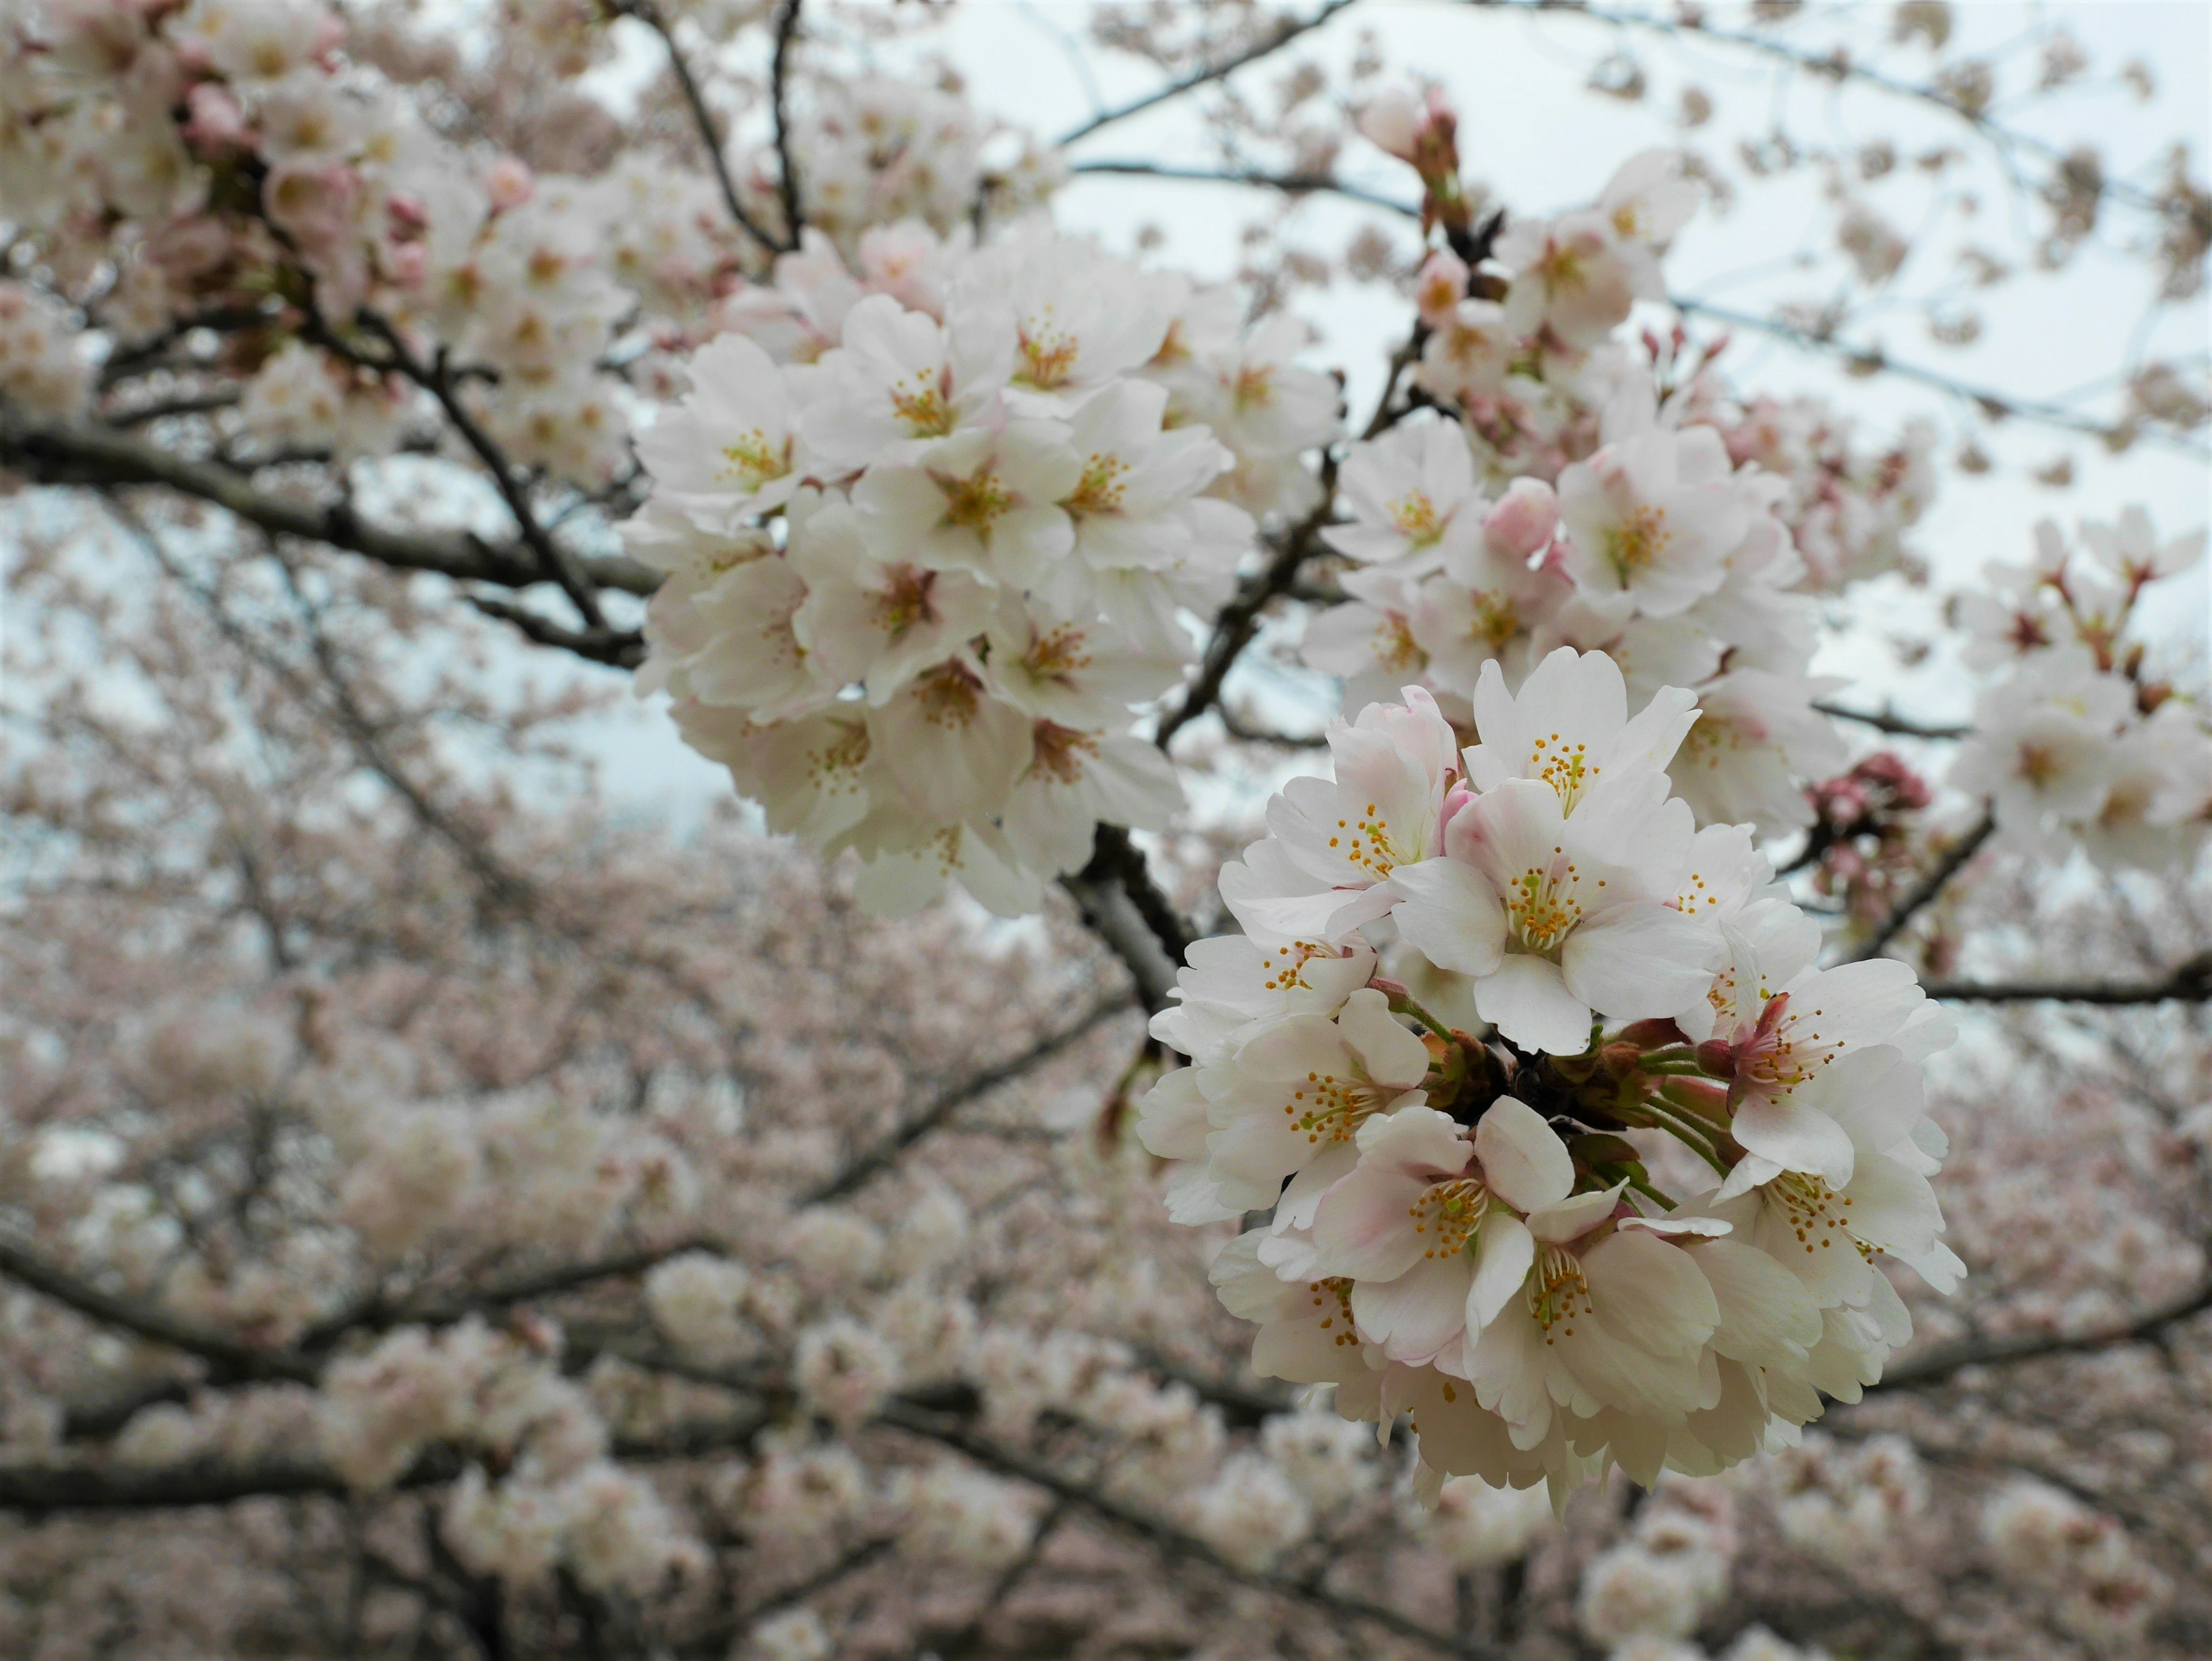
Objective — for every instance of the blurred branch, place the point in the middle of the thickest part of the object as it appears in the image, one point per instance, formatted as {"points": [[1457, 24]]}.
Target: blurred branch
{"points": [[1939, 1362], [1871, 360], [1953, 860], [949, 1431], [794, 215], [1883, 721], [1285, 34], [437, 1310], [20, 1261], [2190, 982], [65, 455], [1291, 184], [622, 648], [648, 13]]}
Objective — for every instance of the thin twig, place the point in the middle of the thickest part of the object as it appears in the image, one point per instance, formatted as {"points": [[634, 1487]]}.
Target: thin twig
{"points": [[648, 13], [1949, 866], [1291, 184], [1282, 37]]}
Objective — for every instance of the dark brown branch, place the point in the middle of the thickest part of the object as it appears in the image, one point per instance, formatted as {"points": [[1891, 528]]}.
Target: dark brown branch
{"points": [[1953, 860], [779, 79], [21, 1261], [885, 1151], [649, 15], [2190, 982], [1883, 721], [554, 559], [622, 648], [1282, 37], [87, 456], [1939, 1362]]}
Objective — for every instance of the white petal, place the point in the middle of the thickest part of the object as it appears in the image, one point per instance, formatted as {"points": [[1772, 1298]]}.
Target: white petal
{"points": [[1505, 1251], [1524, 1162], [1449, 913], [1528, 1000], [1393, 1056]]}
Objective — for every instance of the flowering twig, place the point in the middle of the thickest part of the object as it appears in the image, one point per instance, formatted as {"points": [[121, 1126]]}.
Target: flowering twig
{"points": [[1282, 37]]}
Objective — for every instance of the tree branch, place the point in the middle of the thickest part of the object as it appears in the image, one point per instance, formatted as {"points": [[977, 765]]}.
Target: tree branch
{"points": [[794, 212], [1949, 866], [1282, 37], [2190, 982], [949, 1431], [20, 1261], [87, 456], [1939, 1362], [1883, 721], [1291, 184], [648, 13], [1996, 406]]}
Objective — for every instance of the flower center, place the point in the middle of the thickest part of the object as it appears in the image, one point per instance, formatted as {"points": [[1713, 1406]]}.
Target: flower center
{"points": [[1059, 752], [1815, 1212], [1372, 850], [922, 401], [1452, 1210], [1099, 489], [908, 598], [753, 461], [1558, 1293], [1290, 968], [1048, 356], [1415, 516], [1636, 541], [974, 503], [1338, 1289], [950, 695], [1058, 654], [1330, 1109], [1565, 767], [1542, 905]]}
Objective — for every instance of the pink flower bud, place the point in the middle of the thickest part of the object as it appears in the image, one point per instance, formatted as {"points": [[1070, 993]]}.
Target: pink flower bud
{"points": [[1717, 1058], [1393, 123], [215, 123], [406, 263], [509, 184], [1441, 285], [1523, 520], [405, 213]]}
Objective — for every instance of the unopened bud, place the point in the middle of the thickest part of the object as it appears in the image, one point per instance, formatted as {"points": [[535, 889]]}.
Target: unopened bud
{"points": [[1523, 520], [1717, 1058], [1619, 1059]]}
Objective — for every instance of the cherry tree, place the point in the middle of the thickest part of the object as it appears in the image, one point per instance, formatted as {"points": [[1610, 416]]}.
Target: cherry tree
{"points": [[1645, 1148]]}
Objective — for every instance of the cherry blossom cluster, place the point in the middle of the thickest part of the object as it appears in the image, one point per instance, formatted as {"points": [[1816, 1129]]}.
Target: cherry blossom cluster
{"points": [[1463, 1228], [2080, 741], [1564, 494], [920, 572]]}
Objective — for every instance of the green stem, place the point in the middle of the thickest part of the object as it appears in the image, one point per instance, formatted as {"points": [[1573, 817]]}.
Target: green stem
{"points": [[1686, 1135]]}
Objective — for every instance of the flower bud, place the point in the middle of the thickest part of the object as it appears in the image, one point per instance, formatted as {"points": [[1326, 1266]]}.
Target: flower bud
{"points": [[509, 184], [1440, 286], [1717, 1058], [1523, 520]]}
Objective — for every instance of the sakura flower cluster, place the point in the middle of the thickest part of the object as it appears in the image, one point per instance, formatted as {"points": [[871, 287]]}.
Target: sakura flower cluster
{"points": [[919, 575], [1471, 1229], [1563, 496], [2078, 741]]}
